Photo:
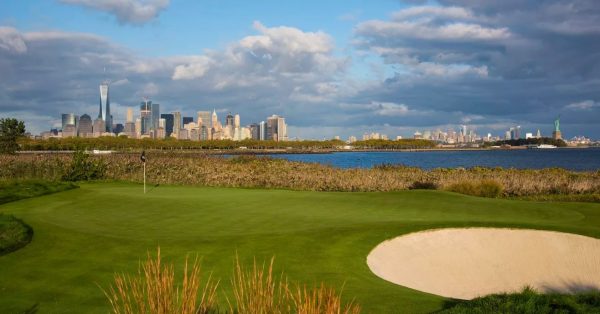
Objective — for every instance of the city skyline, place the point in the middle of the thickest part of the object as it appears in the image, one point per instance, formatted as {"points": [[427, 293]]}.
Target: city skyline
{"points": [[337, 68]]}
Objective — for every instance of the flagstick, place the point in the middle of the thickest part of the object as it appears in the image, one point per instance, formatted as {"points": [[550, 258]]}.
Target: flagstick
{"points": [[144, 178]]}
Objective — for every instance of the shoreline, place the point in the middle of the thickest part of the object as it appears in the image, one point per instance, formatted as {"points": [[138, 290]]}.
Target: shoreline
{"points": [[300, 152]]}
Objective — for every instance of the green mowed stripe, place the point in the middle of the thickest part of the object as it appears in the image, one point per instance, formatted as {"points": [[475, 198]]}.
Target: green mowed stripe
{"points": [[83, 236]]}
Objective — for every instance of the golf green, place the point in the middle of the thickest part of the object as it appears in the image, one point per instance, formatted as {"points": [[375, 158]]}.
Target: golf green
{"points": [[83, 236]]}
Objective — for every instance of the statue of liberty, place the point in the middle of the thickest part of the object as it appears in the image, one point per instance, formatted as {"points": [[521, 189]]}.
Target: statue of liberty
{"points": [[557, 124]]}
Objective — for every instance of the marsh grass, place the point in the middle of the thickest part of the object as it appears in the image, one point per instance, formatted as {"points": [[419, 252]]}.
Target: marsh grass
{"points": [[265, 172], [483, 188]]}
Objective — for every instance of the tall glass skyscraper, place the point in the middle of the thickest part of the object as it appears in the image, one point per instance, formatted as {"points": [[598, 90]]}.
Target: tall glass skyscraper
{"points": [[146, 117], [105, 103]]}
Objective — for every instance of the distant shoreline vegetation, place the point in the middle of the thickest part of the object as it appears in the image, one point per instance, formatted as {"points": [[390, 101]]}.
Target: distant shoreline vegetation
{"points": [[272, 173], [128, 144]]}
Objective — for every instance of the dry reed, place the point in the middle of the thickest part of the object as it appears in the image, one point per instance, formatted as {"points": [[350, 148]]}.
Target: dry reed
{"points": [[261, 172], [154, 290]]}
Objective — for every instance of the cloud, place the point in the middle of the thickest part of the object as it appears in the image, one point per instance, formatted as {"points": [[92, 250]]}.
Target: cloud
{"points": [[583, 105], [281, 70], [487, 64], [11, 40], [389, 109], [126, 11]]}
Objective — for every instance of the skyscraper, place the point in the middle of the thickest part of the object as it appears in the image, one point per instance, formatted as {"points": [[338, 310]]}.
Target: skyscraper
{"points": [[204, 119], [68, 119], [129, 128], [86, 126], [276, 128], [146, 117], [129, 114], [187, 120], [236, 121], [214, 119], [176, 123], [262, 131], [229, 120], [155, 116], [105, 103], [169, 123], [255, 131]]}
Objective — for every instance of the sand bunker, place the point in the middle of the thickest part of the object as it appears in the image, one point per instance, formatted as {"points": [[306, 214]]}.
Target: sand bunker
{"points": [[471, 262]]}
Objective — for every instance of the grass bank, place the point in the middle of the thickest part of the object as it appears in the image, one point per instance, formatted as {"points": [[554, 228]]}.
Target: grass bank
{"points": [[14, 233], [84, 236]]}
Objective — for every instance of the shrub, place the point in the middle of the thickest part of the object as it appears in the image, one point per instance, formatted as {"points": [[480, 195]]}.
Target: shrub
{"points": [[483, 188], [83, 168]]}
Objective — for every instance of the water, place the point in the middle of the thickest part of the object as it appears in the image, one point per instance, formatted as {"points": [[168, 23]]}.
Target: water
{"points": [[573, 159]]}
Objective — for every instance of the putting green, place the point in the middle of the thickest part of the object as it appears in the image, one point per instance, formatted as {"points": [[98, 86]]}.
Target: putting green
{"points": [[83, 236]]}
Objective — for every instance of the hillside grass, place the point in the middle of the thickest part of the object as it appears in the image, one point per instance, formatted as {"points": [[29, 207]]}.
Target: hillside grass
{"points": [[84, 236]]}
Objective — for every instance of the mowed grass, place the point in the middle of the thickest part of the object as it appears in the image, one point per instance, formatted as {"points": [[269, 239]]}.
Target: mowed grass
{"points": [[83, 236]]}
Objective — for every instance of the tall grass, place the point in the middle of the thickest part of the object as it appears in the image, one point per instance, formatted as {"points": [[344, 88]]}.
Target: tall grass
{"points": [[264, 172], [154, 290], [255, 289]]}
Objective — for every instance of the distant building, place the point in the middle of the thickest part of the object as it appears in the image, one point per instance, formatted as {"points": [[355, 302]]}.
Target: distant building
{"points": [[187, 120], [69, 118], [86, 126], [276, 128], [229, 120], [262, 130], [176, 123], [146, 117], [99, 127], [255, 131], [105, 103], [205, 118], [155, 116], [169, 123]]}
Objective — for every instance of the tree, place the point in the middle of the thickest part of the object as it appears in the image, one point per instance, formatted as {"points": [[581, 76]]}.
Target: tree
{"points": [[10, 131]]}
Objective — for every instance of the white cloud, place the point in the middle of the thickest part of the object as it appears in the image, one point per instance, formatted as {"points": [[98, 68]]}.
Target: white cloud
{"points": [[583, 105], [126, 11], [433, 11], [193, 70], [11, 40]]}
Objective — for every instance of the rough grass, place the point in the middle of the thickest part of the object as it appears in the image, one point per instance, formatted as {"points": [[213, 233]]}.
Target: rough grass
{"points": [[264, 172], [12, 190], [528, 302], [14, 234]]}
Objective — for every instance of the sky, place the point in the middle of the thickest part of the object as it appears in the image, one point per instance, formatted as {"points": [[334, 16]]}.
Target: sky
{"points": [[336, 67]]}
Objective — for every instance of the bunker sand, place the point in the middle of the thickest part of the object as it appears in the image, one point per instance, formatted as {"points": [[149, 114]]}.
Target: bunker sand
{"points": [[471, 262]]}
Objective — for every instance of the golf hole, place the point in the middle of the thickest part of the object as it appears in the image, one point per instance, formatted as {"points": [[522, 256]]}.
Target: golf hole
{"points": [[471, 262]]}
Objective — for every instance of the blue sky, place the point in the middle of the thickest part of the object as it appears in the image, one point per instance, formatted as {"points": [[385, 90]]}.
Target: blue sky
{"points": [[330, 67]]}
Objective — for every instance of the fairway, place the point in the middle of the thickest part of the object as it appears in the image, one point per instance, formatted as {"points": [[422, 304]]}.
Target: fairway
{"points": [[83, 236]]}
